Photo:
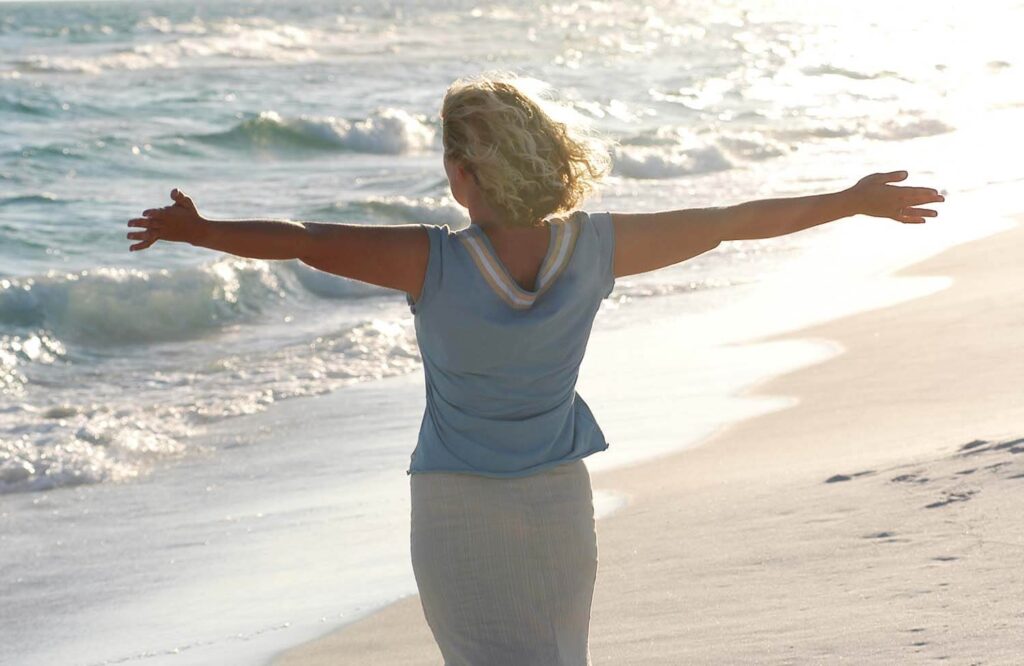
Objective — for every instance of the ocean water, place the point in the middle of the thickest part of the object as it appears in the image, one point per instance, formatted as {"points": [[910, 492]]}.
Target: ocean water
{"points": [[119, 370], [109, 362]]}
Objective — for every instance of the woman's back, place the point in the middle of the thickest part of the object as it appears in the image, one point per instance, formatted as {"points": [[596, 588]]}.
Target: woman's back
{"points": [[501, 362]]}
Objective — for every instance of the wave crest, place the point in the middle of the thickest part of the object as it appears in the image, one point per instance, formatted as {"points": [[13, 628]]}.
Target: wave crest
{"points": [[108, 306], [386, 131]]}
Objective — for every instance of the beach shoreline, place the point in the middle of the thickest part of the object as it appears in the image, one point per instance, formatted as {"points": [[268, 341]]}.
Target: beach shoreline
{"points": [[722, 551]]}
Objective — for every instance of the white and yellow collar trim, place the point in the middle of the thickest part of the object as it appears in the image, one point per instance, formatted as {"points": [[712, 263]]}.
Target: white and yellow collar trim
{"points": [[560, 249]]}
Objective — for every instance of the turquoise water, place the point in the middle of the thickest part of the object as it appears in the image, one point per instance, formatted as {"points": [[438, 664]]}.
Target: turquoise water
{"points": [[117, 369]]}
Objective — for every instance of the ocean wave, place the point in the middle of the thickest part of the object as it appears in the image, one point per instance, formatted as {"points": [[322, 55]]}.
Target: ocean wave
{"points": [[899, 127], [55, 151], [906, 127], [94, 65], [105, 147], [72, 28], [165, 26], [838, 129], [752, 145], [125, 421], [107, 306], [41, 198], [18, 351], [386, 131], [400, 209], [110, 306], [662, 135], [647, 163], [256, 39], [364, 351], [674, 151], [68, 446], [834, 70], [11, 104]]}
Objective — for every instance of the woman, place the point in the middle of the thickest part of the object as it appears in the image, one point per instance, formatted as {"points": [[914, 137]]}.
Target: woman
{"points": [[503, 542]]}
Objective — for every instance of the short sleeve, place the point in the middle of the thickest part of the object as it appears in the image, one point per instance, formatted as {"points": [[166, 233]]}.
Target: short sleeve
{"points": [[435, 261], [605, 232]]}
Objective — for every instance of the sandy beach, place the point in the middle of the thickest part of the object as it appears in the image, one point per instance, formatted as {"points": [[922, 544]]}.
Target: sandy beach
{"points": [[877, 521]]}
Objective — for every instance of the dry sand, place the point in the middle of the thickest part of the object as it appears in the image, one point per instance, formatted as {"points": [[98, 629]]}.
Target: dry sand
{"points": [[880, 520]]}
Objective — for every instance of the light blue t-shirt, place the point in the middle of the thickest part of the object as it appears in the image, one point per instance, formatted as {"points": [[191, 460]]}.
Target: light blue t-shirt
{"points": [[501, 363]]}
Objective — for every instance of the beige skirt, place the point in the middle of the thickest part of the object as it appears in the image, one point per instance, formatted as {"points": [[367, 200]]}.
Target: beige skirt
{"points": [[506, 566]]}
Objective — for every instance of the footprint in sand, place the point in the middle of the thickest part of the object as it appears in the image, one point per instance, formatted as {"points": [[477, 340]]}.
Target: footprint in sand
{"points": [[942, 470], [951, 498], [880, 535], [939, 468], [885, 537], [847, 477], [910, 478], [979, 446]]}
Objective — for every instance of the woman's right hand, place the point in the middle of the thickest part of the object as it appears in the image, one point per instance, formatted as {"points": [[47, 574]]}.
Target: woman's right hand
{"points": [[179, 222], [873, 196]]}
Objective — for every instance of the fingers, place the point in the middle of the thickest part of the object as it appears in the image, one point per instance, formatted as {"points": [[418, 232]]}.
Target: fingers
{"points": [[147, 238], [919, 195], [182, 199], [920, 212], [152, 220], [155, 213], [914, 215], [891, 177]]}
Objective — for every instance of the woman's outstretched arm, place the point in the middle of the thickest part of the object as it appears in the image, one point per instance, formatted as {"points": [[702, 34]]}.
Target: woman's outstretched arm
{"points": [[388, 256], [647, 241]]}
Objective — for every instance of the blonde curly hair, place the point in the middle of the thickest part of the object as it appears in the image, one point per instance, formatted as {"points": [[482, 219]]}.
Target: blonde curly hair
{"points": [[529, 159]]}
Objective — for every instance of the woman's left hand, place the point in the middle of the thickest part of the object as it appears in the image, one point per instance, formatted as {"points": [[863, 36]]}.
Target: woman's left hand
{"points": [[872, 195], [180, 222]]}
